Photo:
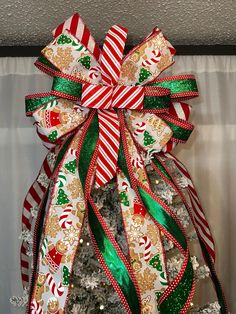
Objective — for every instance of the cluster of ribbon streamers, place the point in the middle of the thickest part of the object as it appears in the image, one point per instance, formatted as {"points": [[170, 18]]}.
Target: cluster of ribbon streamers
{"points": [[104, 117]]}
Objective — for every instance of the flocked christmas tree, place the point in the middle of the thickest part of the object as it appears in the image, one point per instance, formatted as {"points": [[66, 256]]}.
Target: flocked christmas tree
{"points": [[90, 290]]}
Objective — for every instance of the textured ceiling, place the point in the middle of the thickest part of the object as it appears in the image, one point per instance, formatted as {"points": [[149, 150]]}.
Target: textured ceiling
{"points": [[184, 22]]}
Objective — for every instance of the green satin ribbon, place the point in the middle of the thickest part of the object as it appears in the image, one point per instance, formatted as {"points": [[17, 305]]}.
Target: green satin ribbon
{"points": [[178, 86], [88, 148], [63, 151], [163, 217], [162, 169], [179, 296], [113, 262], [66, 86], [105, 246]]}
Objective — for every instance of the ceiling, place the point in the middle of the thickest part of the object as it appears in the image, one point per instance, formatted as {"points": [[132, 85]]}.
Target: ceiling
{"points": [[184, 22]]}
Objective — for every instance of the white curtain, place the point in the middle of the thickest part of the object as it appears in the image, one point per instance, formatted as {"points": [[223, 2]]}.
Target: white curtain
{"points": [[209, 155]]}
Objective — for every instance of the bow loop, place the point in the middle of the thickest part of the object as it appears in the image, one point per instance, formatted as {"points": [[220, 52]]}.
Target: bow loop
{"points": [[146, 61], [57, 118], [112, 54], [71, 57]]}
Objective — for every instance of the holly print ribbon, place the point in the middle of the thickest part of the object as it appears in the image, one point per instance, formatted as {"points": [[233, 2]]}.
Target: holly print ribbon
{"points": [[105, 115]]}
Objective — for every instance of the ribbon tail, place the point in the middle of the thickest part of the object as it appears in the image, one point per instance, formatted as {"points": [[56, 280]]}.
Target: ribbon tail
{"points": [[107, 250], [108, 147], [198, 214], [182, 288], [32, 207], [113, 261], [64, 216], [194, 206]]}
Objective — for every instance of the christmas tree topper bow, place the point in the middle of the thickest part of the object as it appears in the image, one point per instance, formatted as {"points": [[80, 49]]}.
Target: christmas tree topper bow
{"points": [[106, 81]]}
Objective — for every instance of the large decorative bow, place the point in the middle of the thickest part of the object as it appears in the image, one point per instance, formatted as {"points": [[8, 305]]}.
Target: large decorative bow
{"points": [[105, 116]]}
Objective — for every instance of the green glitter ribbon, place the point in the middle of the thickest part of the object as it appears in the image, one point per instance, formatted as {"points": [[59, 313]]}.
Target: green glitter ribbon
{"points": [[66, 86], [179, 133], [178, 86], [32, 104]]}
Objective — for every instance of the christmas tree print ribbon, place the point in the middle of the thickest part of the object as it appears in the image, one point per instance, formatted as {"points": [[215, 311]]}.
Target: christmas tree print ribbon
{"points": [[182, 289], [102, 110]]}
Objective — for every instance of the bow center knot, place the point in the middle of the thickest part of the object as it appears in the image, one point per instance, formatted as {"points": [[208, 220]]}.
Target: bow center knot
{"points": [[112, 96]]}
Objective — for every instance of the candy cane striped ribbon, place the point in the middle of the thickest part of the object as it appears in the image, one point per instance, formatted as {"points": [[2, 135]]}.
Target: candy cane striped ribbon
{"points": [[109, 128], [109, 137], [198, 213], [76, 26], [181, 111], [33, 199], [112, 54]]}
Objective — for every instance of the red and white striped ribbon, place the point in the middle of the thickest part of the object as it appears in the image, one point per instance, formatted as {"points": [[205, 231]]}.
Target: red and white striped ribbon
{"points": [[198, 213], [109, 127], [181, 111], [128, 97], [109, 138], [76, 26], [33, 198], [112, 54], [96, 96], [107, 97]]}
